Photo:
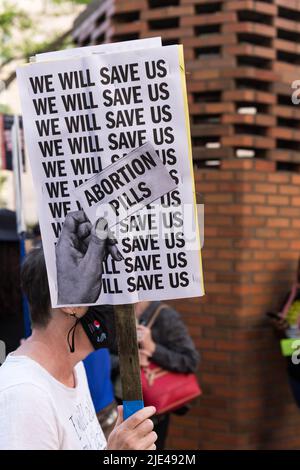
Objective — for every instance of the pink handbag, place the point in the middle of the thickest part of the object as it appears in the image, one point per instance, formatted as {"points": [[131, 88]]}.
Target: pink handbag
{"points": [[164, 389]]}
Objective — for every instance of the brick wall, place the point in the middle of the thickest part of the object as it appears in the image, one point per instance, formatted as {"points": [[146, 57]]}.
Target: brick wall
{"points": [[241, 57], [252, 243]]}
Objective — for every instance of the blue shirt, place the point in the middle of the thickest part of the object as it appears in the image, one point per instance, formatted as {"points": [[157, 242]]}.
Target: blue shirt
{"points": [[97, 367]]}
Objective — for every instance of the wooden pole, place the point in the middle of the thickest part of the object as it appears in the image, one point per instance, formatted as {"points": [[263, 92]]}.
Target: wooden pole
{"points": [[128, 359]]}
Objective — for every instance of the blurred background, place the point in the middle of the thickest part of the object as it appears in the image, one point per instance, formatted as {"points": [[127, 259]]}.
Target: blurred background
{"points": [[242, 57]]}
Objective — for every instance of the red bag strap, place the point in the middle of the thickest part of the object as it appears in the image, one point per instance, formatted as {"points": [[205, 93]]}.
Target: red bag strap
{"points": [[155, 315]]}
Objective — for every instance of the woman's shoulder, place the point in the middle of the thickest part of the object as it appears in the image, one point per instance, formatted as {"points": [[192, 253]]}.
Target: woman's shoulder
{"points": [[21, 373], [168, 313]]}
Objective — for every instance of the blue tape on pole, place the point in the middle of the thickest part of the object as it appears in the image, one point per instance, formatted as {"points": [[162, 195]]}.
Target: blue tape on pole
{"points": [[131, 407]]}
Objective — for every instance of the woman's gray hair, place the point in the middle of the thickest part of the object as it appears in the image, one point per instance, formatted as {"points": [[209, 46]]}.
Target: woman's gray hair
{"points": [[34, 283]]}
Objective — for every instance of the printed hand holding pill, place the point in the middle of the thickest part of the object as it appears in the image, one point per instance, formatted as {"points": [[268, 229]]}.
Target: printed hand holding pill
{"points": [[80, 253]]}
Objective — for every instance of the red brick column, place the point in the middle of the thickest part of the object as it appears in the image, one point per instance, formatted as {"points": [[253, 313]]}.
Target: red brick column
{"points": [[252, 243]]}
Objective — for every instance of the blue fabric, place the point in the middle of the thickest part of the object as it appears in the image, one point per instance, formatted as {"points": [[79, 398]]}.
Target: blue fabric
{"points": [[131, 407], [97, 367]]}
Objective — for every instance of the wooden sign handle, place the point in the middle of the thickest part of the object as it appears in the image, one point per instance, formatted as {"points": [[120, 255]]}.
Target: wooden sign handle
{"points": [[128, 359]]}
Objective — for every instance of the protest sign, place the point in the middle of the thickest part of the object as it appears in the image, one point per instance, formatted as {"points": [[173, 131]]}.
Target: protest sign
{"points": [[99, 49], [126, 186], [83, 114]]}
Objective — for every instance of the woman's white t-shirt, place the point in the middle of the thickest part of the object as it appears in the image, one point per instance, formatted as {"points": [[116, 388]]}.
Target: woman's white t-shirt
{"points": [[39, 412]]}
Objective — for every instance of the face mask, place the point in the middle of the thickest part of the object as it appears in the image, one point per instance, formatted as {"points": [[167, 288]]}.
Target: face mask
{"points": [[98, 326]]}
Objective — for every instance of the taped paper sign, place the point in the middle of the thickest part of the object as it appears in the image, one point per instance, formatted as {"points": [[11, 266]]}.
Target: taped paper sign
{"points": [[99, 49], [126, 186], [83, 114]]}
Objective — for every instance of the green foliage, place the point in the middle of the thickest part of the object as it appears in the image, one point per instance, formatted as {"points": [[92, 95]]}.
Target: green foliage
{"points": [[5, 109], [12, 19], [293, 313]]}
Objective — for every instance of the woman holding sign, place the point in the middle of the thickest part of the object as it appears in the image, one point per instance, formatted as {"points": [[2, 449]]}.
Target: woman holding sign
{"points": [[45, 403]]}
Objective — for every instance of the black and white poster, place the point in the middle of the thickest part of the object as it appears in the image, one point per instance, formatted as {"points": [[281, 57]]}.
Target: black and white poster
{"points": [[83, 116]]}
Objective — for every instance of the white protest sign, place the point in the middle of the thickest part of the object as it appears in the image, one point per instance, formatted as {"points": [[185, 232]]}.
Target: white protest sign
{"points": [[80, 116], [126, 186], [99, 49]]}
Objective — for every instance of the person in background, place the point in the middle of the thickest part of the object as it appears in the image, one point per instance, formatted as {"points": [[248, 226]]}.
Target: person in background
{"points": [[11, 314], [98, 370], [281, 328], [36, 236], [168, 344]]}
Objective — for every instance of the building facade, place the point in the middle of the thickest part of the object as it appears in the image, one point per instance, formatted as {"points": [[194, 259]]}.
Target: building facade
{"points": [[242, 59]]}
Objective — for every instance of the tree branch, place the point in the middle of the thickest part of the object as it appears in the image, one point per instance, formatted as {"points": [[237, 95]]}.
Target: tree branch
{"points": [[51, 46]]}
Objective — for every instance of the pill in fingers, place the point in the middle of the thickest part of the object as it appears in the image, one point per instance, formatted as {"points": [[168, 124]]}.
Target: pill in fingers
{"points": [[114, 252], [100, 228]]}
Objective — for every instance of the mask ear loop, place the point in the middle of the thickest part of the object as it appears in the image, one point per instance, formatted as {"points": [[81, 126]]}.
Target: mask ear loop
{"points": [[72, 332]]}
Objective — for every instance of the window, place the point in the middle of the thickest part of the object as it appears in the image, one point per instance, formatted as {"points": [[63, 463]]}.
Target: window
{"points": [[284, 100], [249, 129], [245, 153], [100, 19], [253, 61], [126, 17], [254, 17], [207, 8], [163, 3], [288, 35], [207, 142], [208, 164], [100, 39], [125, 37], [287, 144], [250, 110], [170, 41], [244, 107], [86, 41], [207, 97], [289, 14], [290, 123], [207, 52], [289, 57], [252, 84], [206, 118], [288, 166], [205, 30], [255, 39], [164, 23]]}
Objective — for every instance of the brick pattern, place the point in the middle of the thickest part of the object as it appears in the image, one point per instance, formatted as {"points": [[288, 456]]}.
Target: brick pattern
{"points": [[250, 255], [241, 58]]}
